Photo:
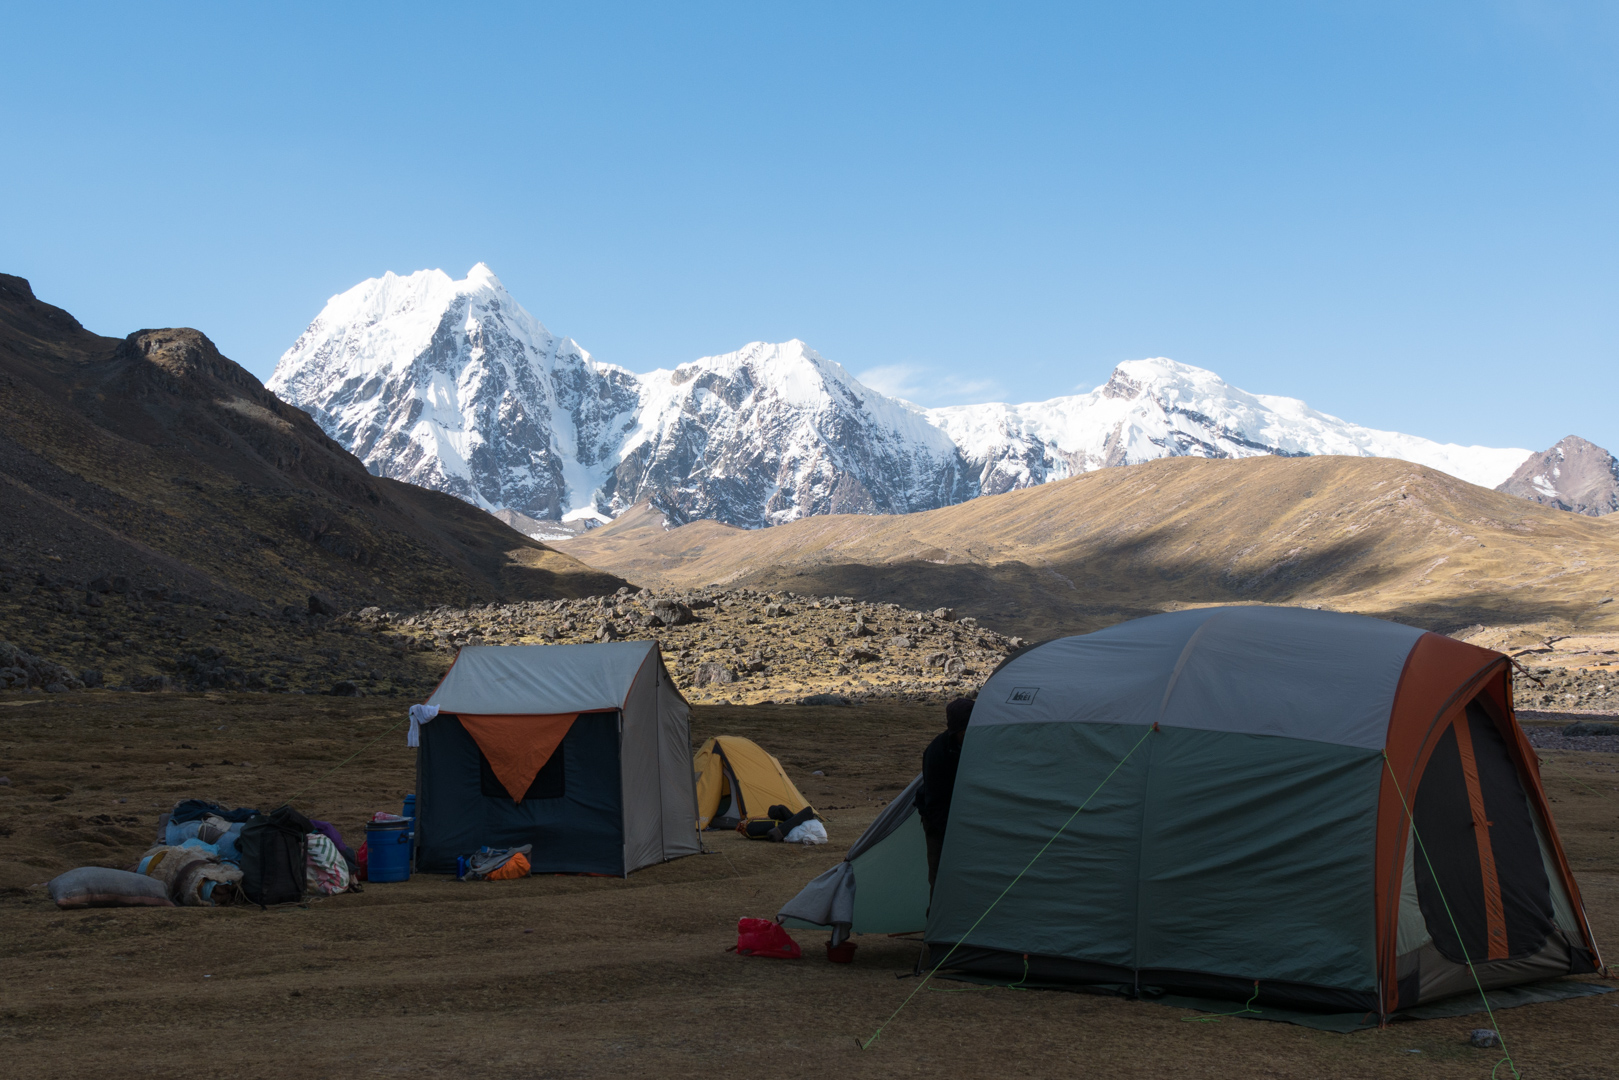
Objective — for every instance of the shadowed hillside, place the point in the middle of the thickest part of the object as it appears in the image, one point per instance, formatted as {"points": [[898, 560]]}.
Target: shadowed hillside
{"points": [[156, 495], [1371, 535]]}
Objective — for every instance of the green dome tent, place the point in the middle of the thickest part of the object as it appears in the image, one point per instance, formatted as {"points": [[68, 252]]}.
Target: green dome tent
{"points": [[1341, 809]]}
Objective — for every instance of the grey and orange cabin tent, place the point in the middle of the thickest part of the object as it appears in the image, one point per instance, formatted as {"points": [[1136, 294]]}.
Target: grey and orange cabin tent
{"points": [[1261, 777], [580, 750]]}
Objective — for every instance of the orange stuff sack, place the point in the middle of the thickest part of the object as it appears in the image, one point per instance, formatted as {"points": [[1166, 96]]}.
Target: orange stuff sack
{"points": [[516, 867]]}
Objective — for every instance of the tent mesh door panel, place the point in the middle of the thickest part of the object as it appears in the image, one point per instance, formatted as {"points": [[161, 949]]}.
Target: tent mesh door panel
{"points": [[1526, 894], [549, 783], [1444, 818], [731, 809]]}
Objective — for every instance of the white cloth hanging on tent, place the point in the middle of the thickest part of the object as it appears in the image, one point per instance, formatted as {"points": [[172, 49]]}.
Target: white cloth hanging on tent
{"points": [[419, 715]]}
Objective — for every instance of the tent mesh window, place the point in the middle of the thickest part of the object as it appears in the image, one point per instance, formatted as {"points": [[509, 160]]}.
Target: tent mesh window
{"points": [[549, 782]]}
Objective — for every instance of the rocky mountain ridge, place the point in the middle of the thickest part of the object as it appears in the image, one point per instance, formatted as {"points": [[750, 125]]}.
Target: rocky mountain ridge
{"points": [[169, 519], [453, 385], [1369, 535], [1574, 475]]}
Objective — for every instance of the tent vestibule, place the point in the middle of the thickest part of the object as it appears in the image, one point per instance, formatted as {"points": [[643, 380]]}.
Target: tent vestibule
{"points": [[880, 887]]}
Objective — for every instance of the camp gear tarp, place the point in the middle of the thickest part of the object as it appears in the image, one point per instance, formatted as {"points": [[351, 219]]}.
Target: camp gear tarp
{"points": [[880, 887], [1260, 826], [737, 779], [579, 750]]}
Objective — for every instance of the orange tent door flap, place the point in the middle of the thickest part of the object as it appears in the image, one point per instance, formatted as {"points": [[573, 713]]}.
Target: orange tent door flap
{"points": [[518, 746]]}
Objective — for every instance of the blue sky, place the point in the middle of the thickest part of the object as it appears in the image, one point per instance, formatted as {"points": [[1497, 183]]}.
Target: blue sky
{"points": [[1404, 214]]}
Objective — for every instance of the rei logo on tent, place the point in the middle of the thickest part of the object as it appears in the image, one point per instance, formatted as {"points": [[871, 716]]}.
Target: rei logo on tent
{"points": [[1022, 695]]}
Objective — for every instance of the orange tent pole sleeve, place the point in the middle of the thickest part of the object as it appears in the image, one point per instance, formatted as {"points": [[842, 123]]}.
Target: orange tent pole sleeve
{"points": [[1495, 915]]}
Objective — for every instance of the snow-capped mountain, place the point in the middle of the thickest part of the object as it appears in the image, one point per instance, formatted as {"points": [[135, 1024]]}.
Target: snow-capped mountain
{"points": [[771, 433], [1158, 408], [452, 385]]}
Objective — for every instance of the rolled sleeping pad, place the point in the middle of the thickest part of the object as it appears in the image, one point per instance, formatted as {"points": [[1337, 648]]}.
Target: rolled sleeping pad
{"points": [[387, 850], [96, 886]]}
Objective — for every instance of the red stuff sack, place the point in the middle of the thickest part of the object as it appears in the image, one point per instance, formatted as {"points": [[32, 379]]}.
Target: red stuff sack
{"points": [[361, 860], [762, 937]]}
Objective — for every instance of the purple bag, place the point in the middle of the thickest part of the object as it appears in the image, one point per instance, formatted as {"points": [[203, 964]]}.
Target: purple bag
{"points": [[328, 830]]}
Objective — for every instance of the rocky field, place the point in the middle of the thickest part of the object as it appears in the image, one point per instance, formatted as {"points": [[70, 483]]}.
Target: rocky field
{"points": [[720, 645], [1567, 689], [738, 646], [61, 635]]}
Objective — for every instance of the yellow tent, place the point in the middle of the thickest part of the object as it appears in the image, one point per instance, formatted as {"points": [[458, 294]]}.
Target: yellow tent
{"points": [[737, 779]]}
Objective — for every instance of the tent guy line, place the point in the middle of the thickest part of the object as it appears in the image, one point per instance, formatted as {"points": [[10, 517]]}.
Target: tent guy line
{"points": [[1466, 955], [345, 761], [1043, 848]]}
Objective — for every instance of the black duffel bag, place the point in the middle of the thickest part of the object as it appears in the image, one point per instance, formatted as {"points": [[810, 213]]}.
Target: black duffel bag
{"points": [[274, 853]]}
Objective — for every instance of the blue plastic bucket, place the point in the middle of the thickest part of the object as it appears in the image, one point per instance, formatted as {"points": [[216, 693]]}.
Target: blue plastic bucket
{"points": [[387, 845]]}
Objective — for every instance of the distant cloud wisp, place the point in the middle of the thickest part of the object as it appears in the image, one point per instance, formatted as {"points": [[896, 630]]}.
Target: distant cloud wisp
{"points": [[916, 383]]}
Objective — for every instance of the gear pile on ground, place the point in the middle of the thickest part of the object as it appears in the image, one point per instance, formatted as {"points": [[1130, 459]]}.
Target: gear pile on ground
{"points": [[737, 646]]}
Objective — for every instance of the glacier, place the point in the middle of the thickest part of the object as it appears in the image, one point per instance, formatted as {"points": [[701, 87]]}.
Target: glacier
{"points": [[452, 385]]}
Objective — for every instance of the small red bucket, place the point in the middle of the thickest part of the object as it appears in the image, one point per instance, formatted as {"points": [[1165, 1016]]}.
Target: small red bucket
{"points": [[840, 954]]}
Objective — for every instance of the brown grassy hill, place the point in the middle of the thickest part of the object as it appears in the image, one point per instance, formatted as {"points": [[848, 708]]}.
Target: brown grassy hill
{"points": [[1377, 536], [153, 473]]}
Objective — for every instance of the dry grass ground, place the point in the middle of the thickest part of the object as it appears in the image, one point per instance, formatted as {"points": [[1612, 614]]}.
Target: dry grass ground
{"points": [[564, 976]]}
